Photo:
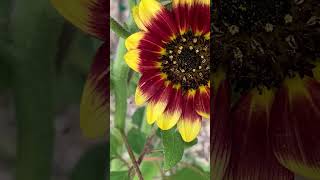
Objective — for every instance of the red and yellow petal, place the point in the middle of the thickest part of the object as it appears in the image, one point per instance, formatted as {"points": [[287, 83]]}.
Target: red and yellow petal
{"points": [[148, 85], [144, 41], [173, 111], [94, 108], [142, 61], [182, 10], [220, 131], [158, 102], [200, 22], [295, 126], [154, 17], [189, 124], [202, 105], [91, 16], [251, 154]]}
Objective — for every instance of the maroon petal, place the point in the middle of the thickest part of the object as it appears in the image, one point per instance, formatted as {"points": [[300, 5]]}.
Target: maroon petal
{"points": [[252, 157], [295, 127], [220, 132], [94, 109]]}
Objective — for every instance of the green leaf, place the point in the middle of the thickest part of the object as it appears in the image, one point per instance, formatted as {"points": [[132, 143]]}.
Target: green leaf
{"points": [[190, 173], [93, 164], [138, 116], [119, 175], [173, 146], [149, 170], [115, 143], [136, 140]]}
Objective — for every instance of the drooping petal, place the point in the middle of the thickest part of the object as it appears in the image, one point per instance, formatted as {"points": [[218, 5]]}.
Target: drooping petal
{"points": [[94, 108], [200, 21], [202, 101], [148, 85], [173, 111], [295, 126], [251, 155], [157, 19], [220, 131], [91, 16], [182, 14], [189, 124], [158, 102]]}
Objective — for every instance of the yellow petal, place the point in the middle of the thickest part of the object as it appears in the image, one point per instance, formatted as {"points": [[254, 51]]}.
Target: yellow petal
{"points": [[93, 116], [154, 110], [137, 20], [207, 36], [203, 2], [148, 10], [132, 42], [132, 58], [139, 98], [167, 120], [91, 16], [189, 129]]}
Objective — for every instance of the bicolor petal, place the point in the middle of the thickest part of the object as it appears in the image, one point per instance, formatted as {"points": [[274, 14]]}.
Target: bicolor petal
{"points": [[142, 61], [182, 14], [173, 111], [157, 19], [158, 102], [148, 85], [251, 154], [202, 105], [91, 16], [94, 108], [133, 41], [189, 124], [295, 126], [220, 131], [200, 21]]}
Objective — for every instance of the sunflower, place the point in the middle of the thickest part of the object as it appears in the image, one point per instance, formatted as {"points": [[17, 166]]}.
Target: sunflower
{"points": [[266, 108], [171, 52], [92, 17]]}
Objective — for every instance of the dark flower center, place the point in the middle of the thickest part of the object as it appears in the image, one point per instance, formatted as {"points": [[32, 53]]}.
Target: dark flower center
{"points": [[187, 61], [261, 43]]}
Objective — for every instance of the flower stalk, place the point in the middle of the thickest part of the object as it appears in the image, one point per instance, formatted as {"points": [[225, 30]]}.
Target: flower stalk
{"points": [[33, 76]]}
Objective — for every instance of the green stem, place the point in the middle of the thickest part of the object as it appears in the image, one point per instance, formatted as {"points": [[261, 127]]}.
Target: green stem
{"points": [[119, 76], [118, 29], [35, 31]]}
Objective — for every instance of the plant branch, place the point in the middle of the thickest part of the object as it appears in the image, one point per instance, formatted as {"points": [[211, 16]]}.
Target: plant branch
{"points": [[148, 146], [132, 157]]}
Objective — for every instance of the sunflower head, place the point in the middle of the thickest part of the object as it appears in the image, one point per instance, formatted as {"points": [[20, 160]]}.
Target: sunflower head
{"points": [[171, 52]]}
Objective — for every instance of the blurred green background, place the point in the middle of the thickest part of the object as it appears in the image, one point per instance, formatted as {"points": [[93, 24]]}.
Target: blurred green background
{"points": [[44, 62]]}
